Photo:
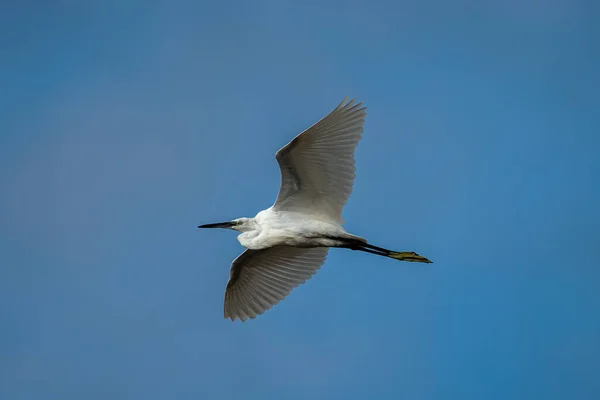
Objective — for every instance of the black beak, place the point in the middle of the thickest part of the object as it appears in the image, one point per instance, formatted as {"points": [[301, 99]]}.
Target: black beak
{"points": [[228, 224]]}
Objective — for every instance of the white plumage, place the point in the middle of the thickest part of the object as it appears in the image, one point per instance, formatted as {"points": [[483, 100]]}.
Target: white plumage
{"points": [[288, 242]]}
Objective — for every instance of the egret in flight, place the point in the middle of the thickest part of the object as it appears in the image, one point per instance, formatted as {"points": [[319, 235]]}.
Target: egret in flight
{"points": [[288, 242]]}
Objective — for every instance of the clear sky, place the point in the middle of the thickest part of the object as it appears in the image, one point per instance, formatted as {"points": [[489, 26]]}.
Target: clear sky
{"points": [[124, 125]]}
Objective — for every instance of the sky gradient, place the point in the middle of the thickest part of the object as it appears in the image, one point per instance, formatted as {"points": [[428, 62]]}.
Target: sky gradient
{"points": [[124, 125]]}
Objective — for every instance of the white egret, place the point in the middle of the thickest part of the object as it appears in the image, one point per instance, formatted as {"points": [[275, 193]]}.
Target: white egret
{"points": [[288, 242]]}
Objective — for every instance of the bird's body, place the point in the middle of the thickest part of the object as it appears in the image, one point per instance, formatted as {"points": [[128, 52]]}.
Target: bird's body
{"points": [[290, 228], [288, 242]]}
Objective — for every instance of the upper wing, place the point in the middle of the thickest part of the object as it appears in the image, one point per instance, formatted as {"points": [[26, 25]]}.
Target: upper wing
{"points": [[262, 278], [317, 166]]}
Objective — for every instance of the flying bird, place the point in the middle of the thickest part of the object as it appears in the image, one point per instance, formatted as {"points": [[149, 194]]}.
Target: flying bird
{"points": [[288, 242]]}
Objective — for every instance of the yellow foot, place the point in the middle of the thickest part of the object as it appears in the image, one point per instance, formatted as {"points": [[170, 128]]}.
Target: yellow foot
{"points": [[408, 256]]}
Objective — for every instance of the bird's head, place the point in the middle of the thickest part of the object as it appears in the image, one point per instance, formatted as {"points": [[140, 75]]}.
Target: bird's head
{"points": [[239, 224]]}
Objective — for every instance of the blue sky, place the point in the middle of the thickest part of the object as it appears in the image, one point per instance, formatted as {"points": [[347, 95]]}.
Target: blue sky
{"points": [[124, 125]]}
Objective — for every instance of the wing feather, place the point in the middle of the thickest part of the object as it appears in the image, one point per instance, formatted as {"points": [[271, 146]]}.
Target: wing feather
{"points": [[318, 166], [259, 279]]}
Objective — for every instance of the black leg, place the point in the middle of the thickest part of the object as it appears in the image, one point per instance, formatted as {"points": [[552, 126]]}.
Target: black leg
{"points": [[410, 256], [379, 253]]}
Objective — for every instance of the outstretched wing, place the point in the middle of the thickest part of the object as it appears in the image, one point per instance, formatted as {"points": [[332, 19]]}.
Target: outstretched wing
{"points": [[317, 166], [262, 278]]}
